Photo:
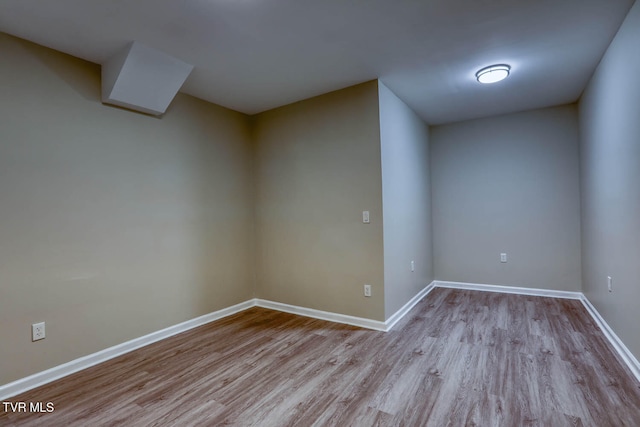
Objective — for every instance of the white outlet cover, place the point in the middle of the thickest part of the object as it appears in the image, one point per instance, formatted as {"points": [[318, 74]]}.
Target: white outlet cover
{"points": [[37, 331]]}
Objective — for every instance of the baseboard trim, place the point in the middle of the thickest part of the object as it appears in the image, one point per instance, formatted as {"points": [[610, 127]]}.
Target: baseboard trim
{"points": [[346, 319], [626, 355], [24, 384], [509, 289], [57, 372], [323, 315], [395, 318]]}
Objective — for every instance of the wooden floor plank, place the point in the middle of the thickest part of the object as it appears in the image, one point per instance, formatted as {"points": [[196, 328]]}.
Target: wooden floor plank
{"points": [[459, 357]]}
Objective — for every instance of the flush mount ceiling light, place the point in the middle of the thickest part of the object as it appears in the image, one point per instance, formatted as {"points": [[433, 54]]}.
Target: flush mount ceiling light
{"points": [[493, 73]]}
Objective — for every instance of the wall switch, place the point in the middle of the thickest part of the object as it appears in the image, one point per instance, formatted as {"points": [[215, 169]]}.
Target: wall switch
{"points": [[365, 217], [413, 266], [503, 257], [367, 290], [37, 331], [609, 283]]}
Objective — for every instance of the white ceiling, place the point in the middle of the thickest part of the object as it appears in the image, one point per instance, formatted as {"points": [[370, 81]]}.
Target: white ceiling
{"points": [[254, 55]]}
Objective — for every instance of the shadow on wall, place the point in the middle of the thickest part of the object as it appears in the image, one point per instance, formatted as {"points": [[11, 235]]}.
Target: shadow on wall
{"points": [[72, 71]]}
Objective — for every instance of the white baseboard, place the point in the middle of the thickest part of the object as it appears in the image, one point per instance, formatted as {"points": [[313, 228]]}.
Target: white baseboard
{"points": [[622, 350], [391, 321], [41, 378], [24, 384], [509, 289], [346, 319], [323, 315], [626, 355]]}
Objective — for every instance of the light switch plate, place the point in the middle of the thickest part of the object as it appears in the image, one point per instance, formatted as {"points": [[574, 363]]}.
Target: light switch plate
{"points": [[367, 290]]}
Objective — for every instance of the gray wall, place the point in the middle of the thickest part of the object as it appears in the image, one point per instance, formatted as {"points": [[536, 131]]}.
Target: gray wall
{"points": [[113, 224], [508, 184], [317, 168], [610, 167], [406, 196]]}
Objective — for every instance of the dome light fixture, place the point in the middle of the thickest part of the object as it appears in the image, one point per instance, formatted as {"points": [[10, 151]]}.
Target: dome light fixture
{"points": [[493, 73]]}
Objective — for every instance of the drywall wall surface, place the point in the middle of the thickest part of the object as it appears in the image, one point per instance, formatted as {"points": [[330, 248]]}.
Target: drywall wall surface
{"points": [[113, 224], [610, 178], [406, 196], [317, 169], [508, 184]]}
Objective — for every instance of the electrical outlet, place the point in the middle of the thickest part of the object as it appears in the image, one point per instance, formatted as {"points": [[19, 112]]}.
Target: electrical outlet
{"points": [[37, 331], [365, 217], [413, 266], [609, 283], [367, 290], [503, 257]]}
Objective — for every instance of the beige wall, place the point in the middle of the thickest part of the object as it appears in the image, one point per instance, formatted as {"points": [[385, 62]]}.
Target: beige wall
{"points": [[508, 184], [610, 172], [317, 169], [113, 224], [406, 195]]}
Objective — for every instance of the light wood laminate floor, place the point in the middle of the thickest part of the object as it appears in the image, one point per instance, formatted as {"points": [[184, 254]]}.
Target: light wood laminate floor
{"points": [[459, 358]]}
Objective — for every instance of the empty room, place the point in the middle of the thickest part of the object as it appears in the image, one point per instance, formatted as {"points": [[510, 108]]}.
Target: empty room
{"points": [[297, 213]]}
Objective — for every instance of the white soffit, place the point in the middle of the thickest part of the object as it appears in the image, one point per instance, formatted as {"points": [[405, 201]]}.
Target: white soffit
{"points": [[142, 79], [252, 56]]}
